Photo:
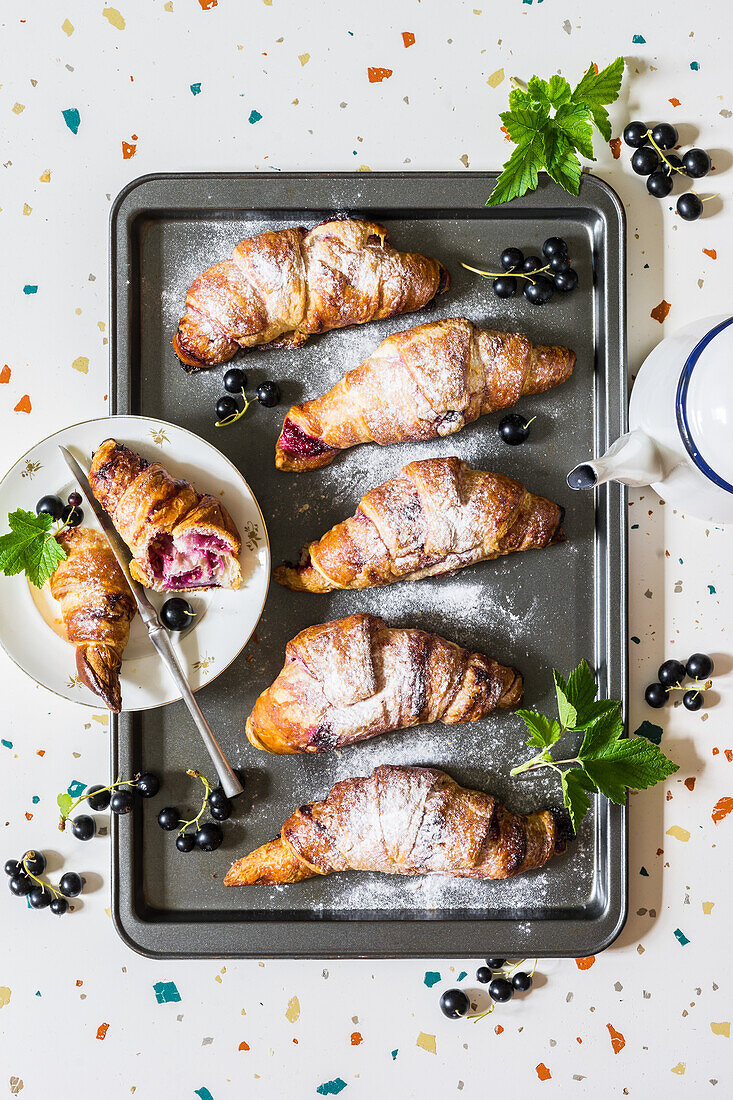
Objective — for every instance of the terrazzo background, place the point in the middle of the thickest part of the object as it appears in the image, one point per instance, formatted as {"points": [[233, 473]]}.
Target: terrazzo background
{"points": [[93, 96]]}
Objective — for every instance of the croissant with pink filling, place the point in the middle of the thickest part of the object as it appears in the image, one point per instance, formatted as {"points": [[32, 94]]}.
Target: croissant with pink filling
{"points": [[405, 821], [181, 540], [426, 382], [437, 516], [97, 608], [355, 678], [280, 287]]}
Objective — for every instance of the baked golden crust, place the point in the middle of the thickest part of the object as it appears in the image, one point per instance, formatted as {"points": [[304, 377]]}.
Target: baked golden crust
{"points": [[180, 540], [426, 382], [437, 516], [355, 678], [97, 608], [280, 287], [404, 821]]}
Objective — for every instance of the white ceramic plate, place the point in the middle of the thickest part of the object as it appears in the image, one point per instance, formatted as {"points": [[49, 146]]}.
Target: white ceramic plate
{"points": [[31, 629]]}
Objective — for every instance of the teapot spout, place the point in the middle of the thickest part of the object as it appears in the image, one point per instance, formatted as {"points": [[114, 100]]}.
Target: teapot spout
{"points": [[634, 459]]}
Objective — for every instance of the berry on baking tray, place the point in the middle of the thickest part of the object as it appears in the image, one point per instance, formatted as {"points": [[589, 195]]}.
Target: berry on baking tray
{"points": [[514, 429], [117, 796], [206, 836], [543, 276]]}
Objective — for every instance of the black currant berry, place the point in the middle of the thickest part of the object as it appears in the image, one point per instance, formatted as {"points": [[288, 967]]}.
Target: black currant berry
{"points": [[59, 906], [531, 263], [12, 867], [484, 975], [505, 286], [169, 818], [147, 785], [636, 134], [454, 1004], [540, 291], [235, 380], [121, 802], [72, 516], [185, 842], [71, 884], [659, 184], [501, 990], [268, 393], [52, 506], [39, 897], [495, 964], [671, 673], [656, 696], [176, 613], [699, 666], [645, 160], [559, 264], [554, 246], [209, 837], [98, 798], [672, 162], [34, 862], [83, 827], [665, 135], [225, 407], [513, 429], [565, 281], [74, 499], [20, 885], [512, 259], [522, 981], [689, 206], [693, 700], [220, 805], [696, 163]]}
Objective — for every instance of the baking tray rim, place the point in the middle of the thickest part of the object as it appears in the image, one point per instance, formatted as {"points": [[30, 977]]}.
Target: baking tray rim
{"points": [[603, 931]]}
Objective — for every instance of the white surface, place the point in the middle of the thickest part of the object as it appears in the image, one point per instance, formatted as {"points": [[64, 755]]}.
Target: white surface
{"points": [[303, 68], [224, 619]]}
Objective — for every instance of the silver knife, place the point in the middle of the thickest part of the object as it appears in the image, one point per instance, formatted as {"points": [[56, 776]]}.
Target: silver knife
{"points": [[156, 631]]}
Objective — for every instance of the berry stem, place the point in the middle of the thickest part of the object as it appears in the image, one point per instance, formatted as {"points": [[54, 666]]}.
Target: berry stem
{"points": [[234, 417], [44, 885], [671, 167], [83, 797], [504, 274], [207, 791]]}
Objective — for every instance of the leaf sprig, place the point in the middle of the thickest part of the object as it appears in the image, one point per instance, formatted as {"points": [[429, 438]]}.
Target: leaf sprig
{"points": [[552, 141], [607, 762], [30, 547]]}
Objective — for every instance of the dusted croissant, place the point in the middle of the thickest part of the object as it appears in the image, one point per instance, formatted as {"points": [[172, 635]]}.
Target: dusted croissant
{"points": [[97, 608], [405, 821], [438, 515], [355, 678], [180, 539], [280, 287], [426, 382]]}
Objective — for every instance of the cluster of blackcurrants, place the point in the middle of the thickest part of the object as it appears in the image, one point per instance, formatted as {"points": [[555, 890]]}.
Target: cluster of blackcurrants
{"points": [[70, 514], [228, 409], [542, 279], [25, 882], [651, 159], [455, 1004], [670, 676], [117, 797], [207, 837]]}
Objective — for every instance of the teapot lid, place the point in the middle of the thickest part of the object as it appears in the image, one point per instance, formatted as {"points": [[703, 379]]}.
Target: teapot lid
{"points": [[705, 405]]}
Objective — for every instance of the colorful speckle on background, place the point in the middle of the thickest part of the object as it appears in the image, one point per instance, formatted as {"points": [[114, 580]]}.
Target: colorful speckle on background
{"points": [[617, 1040], [660, 312], [331, 1088], [639, 40], [681, 937], [165, 992], [432, 977], [72, 118], [543, 1072], [254, 116], [196, 88], [203, 1093]]}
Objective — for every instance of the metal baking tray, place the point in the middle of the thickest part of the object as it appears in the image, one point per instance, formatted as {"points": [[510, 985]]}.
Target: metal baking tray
{"points": [[534, 610]]}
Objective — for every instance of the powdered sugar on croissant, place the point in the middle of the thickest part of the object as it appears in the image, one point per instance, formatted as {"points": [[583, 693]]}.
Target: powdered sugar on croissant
{"points": [[354, 678], [405, 821], [280, 287], [180, 539], [426, 382]]}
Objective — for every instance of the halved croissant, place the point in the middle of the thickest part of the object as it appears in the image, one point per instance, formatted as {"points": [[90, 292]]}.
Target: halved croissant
{"points": [[280, 287], [97, 608], [426, 382], [438, 515], [405, 821], [180, 539], [355, 678]]}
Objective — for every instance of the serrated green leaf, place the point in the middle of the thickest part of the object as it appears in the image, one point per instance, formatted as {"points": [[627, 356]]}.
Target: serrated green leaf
{"points": [[523, 124], [520, 172], [561, 161], [565, 708], [542, 731], [598, 88], [559, 91], [603, 733], [539, 92], [518, 98], [650, 731], [574, 121], [64, 802], [581, 688], [30, 547], [575, 788], [633, 762]]}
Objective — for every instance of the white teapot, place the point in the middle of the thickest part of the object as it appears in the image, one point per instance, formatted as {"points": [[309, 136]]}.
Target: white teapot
{"points": [[681, 421]]}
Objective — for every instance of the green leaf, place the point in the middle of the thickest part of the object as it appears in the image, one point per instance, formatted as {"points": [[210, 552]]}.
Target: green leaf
{"points": [[518, 97], [520, 172], [650, 731], [559, 91], [574, 121], [596, 89], [575, 785], [543, 731], [561, 161], [633, 762], [603, 733], [30, 547], [539, 92], [565, 708], [523, 124], [581, 688], [64, 802]]}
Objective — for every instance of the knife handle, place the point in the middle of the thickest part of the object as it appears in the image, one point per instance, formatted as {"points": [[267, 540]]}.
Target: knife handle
{"points": [[227, 777]]}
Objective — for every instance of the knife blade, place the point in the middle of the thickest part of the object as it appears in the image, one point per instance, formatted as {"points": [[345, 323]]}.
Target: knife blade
{"points": [[156, 631]]}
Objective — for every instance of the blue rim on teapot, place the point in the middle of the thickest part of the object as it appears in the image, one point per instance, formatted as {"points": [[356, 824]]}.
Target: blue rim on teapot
{"points": [[702, 412]]}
